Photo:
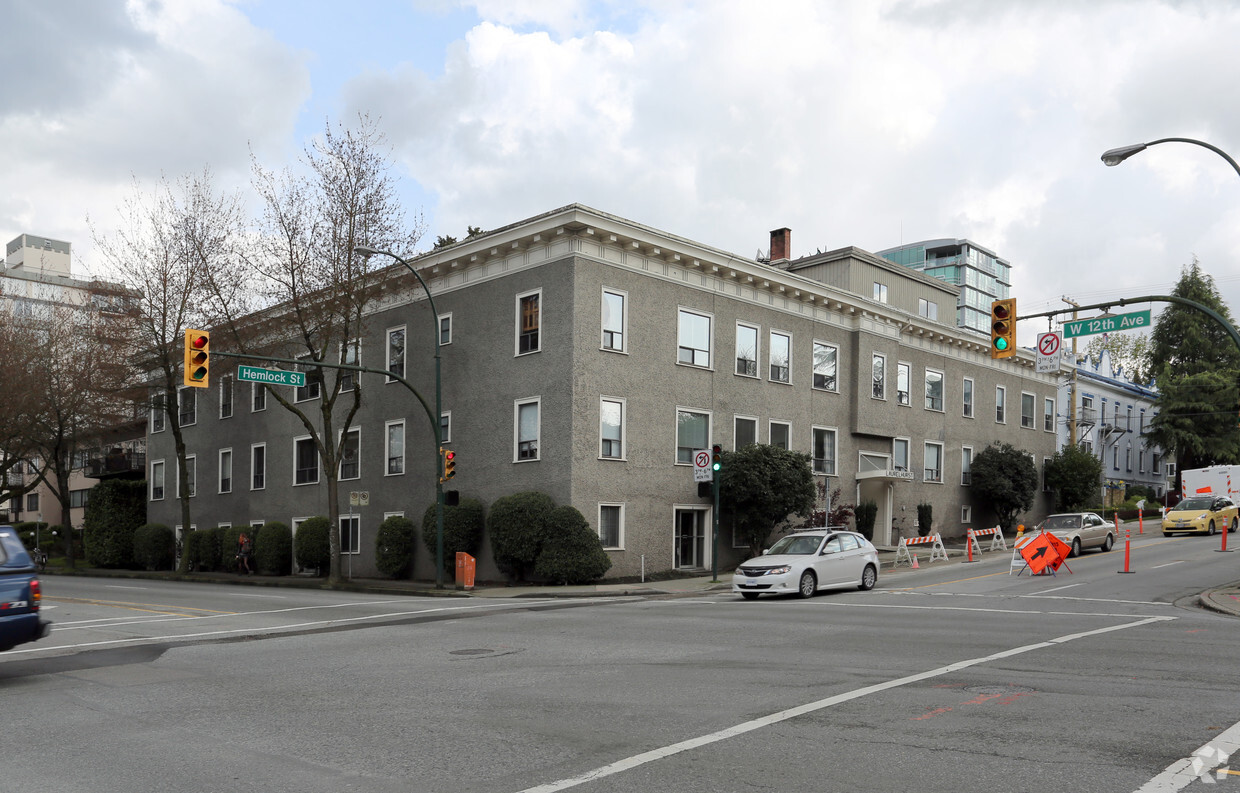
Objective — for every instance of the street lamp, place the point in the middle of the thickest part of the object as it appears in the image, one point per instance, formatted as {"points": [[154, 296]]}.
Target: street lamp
{"points": [[1116, 156], [366, 250]]}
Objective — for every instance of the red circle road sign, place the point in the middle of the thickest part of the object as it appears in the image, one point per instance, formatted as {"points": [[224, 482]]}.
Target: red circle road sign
{"points": [[1048, 343], [702, 460]]}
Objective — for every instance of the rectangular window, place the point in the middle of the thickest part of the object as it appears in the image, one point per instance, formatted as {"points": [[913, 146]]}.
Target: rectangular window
{"points": [[1048, 415], [879, 367], [1156, 463], [746, 350], [350, 455], [350, 354], [191, 476], [934, 390], [1026, 410], [826, 361], [350, 533], [445, 426], [258, 397], [611, 525], [615, 318], [1046, 467], [693, 336], [611, 428], [966, 466], [692, 433], [968, 397], [933, 469], [258, 466], [225, 470], [528, 428], [445, 329], [899, 454], [1128, 420], [824, 451], [927, 308], [158, 480], [157, 413], [226, 397], [78, 498], [1000, 398], [396, 352], [1115, 457], [187, 399], [966, 514], [305, 462], [744, 432], [780, 356], [529, 322], [1128, 458], [903, 376], [32, 502], [880, 292], [311, 389], [395, 452], [781, 434]]}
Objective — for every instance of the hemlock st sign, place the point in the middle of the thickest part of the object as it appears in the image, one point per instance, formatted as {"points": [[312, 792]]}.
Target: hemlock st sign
{"points": [[253, 374], [1088, 327]]}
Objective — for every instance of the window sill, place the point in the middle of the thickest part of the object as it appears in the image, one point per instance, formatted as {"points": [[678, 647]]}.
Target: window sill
{"points": [[613, 349], [601, 458], [695, 366], [780, 382], [304, 484]]}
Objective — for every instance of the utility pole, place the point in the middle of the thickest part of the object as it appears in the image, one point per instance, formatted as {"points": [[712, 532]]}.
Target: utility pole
{"points": [[1072, 389]]}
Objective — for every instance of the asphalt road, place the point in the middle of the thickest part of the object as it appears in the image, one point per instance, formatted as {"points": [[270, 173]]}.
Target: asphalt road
{"points": [[954, 677]]}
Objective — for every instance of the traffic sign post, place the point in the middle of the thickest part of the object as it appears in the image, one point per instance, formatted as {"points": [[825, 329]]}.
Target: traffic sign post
{"points": [[701, 466], [1087, 327], [1050, 348]]}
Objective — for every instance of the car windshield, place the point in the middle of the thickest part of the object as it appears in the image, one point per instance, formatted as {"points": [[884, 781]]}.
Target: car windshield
{"points": [[797, 544], [1193, 503], [1063, 522]]}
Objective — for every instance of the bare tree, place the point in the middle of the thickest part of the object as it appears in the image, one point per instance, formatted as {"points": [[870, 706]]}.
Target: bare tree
{"points": [[20, 348]]}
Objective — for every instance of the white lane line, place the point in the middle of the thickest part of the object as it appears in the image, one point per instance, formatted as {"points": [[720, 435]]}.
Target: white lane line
{"points": [[118, 586], [1168, 564], [995, 596], [1056, 589], [811, 707], [1198, 765], [270, 597]]}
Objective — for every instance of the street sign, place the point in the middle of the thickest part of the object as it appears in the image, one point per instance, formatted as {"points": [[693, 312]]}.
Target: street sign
{"points": [[1088, 327], [253, 374], [1050, 347], [701, 466]]}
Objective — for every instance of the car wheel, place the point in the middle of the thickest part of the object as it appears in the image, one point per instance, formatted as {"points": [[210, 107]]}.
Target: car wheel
{"points": [[809, 585], [1076, 548], [869, 577], [1210, 530], [1234, 523], [1108, 544], [1166, 534], [749, 595]]}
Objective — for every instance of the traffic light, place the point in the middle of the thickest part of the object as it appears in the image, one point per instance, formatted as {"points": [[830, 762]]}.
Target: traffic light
{"points": [[197, 358], [449, 464], [1003, 328], [716, 458]]}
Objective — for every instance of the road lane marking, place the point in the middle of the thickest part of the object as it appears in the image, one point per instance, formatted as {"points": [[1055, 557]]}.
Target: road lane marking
{"points": [[1056, 589], [1168, 564], [811, 707], [1198, 765]]}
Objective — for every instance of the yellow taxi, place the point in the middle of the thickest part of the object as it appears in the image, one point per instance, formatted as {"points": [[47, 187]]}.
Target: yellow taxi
{"points": [[1201, 515]]}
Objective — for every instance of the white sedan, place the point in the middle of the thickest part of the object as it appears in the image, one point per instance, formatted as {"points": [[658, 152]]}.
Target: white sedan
{"points": [[807, 562]]}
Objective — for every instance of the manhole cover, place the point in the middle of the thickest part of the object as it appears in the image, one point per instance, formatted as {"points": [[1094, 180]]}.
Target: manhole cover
{"points": [[1009, 689], [470, 652]]}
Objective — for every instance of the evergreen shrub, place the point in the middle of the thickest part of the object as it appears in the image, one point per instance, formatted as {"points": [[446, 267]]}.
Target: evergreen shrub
{"points": [[866, 513], [312, 545], [154, 547], [115, 509], [462, 531], [395, 545], [571, 552], [517, 525], [273, 549]]}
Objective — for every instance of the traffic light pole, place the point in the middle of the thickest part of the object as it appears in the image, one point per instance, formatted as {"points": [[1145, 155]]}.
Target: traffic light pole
{"points": [[714, 535]]}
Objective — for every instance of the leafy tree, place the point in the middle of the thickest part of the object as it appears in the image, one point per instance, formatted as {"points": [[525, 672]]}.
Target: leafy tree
{"points": [[761, 486], [1006, 479], [1075, 475], [444, 240], [1196, 363], [1129, 351]]}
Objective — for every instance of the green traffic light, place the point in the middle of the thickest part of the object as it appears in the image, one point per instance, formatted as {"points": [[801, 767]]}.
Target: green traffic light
{"points": [[716, 466], [1001, 344]]}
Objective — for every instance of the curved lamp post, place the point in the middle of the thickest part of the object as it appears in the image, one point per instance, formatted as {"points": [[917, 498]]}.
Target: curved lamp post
{"points": [[1116, 156], [366, 250]]}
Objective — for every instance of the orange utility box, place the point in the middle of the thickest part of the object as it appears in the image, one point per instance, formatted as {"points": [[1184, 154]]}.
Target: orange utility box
{"points": [[465, 570]]}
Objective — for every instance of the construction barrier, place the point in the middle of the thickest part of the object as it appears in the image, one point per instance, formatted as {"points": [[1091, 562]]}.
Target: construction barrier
{"points": [[1018, 561], [996, 540], [935, 541]]}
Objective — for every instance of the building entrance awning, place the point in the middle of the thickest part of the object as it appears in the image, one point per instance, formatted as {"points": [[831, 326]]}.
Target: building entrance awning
{"points": [[886, 475]]}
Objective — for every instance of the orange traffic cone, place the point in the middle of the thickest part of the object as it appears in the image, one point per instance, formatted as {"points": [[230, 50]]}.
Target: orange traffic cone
{"points": [[915, 565]]}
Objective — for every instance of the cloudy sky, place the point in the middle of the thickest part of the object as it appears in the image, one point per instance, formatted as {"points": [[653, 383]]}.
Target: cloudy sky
{"points": [[866, 123]]}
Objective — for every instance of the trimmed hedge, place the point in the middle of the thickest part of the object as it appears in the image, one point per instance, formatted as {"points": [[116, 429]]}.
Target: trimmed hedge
{"points": [[202, 550], [154, 546], [273, 549], [517, 525], [312, 545], [571, 552], [462, 531], [115, 509], [395, 545]]}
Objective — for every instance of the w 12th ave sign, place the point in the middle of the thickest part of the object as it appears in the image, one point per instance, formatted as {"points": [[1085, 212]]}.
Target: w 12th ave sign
{"points": [[1088, 327], [253, 374]]}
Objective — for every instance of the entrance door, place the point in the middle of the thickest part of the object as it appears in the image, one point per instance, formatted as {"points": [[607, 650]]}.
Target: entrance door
{"points": [[690, 539]]}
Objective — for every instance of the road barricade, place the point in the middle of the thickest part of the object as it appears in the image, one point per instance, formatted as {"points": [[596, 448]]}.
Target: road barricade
{"points": [[935, 541], [997, 542], [1018, 561]]}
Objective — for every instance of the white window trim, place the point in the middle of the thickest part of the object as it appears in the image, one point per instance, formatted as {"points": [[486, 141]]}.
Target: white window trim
{"points": [[398, 514], [943, 386], [340, 439], [158, 410], [710, 341], [925, 445], [966, 513], [257, 388], [908, 451], [624, 321], [624, 441], [883, 357], [355, 378], [227, 381], [835, 449], [445, 433], [318, 464], [387, 446], [257, 523], [219, 471], [151, 490], [308, 365], [814, 374], [516, 429], [194, 393], [963, 483], [710, 430], [1001, 390], [1052, 415], [439, 334], [516, 338], [1033, 415], [757, 350], [350, 517], [757, 425], [788, 335], [225, 524], [909, 368], [192, 480], [387, 353], [254, 446], [771, 423], [972, 403], [599, 524]]}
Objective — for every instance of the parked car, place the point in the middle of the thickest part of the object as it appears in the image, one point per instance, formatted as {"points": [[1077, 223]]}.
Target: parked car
{"points": [[1201, 515], [809, 561], [20, 594], [1080, 530]]}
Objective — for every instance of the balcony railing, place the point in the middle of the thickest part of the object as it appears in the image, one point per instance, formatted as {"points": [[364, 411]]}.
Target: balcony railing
{"points": [[115, 464]]}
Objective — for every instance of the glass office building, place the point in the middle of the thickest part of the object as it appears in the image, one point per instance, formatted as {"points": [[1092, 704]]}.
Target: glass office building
{"points": [[982, 276]]}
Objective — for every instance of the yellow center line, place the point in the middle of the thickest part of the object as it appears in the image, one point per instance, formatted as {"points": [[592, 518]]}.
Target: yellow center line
{"points": [[153, 608]]}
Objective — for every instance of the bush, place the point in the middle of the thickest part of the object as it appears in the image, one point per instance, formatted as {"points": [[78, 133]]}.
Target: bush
{"points": [[229, 546], [273, 549], [517, 525], [312, 545], [116, 508], [867, 513], [462, 531], [571, 552], [395, 545], [925, 519], [192, 543], [154, 546]]}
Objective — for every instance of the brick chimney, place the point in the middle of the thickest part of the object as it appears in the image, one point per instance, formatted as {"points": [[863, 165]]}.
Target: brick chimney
{"points": [[781, 245]]}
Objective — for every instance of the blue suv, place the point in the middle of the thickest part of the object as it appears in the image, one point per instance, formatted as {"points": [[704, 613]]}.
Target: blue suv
{"points": [[20, 594]]}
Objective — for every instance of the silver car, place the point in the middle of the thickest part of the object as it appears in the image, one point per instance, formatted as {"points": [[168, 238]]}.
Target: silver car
{"points": [[809, 561], [1080, 530]]}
